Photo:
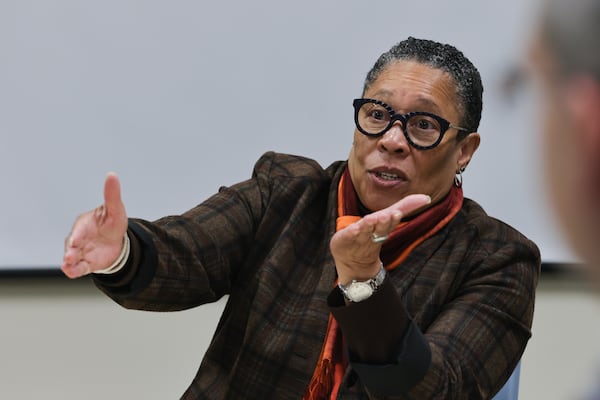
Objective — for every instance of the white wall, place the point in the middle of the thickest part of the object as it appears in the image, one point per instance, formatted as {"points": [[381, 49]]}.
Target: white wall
{"points": [[180, 97]]}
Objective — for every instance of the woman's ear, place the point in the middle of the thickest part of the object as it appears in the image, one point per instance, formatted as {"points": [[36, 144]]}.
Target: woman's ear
{"points": [[467, 148]]}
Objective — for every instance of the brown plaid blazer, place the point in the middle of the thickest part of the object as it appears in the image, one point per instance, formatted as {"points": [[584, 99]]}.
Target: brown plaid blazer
{"points": [[264, 242]]}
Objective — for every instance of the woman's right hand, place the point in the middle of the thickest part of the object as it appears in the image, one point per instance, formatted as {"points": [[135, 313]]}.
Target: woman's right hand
{"points": [[96, 238]]}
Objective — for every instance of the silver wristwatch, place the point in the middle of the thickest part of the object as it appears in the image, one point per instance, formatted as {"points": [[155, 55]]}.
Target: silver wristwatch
{"points": [[356, 291]]}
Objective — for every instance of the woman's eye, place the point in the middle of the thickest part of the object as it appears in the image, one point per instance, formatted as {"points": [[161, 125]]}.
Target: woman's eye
{"points": [[377, 114], [426, 124]]}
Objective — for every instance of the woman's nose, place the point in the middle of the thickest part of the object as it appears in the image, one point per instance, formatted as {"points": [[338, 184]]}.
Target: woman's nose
{"points": [[393, 141]]}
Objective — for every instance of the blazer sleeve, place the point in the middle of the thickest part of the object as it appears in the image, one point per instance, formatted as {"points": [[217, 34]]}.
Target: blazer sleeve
{"points": [[387, 350], [181, 261], [217, 247]]}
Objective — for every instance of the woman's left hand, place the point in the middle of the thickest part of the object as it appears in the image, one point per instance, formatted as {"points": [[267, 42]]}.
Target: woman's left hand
{"points": [[355, 248]]}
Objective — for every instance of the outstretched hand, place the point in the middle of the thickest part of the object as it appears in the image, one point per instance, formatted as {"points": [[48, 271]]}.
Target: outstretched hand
{"points": [[96, 238], [354, 249]]}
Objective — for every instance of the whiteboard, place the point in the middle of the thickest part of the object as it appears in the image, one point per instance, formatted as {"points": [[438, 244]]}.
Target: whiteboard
{"points": [[181, 97]]}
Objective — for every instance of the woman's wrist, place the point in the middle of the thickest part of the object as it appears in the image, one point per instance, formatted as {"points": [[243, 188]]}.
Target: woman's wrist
{"points": [[121, 260]]}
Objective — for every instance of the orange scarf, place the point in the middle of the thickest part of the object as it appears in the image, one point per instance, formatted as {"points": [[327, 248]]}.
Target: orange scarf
{"points": [[328, 374]]}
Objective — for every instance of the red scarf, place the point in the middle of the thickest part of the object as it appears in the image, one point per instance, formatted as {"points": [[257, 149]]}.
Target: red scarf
{"points": [[332, 363]]}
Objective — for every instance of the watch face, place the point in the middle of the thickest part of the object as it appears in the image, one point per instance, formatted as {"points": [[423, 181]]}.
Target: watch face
{"points": [[359, 291]]}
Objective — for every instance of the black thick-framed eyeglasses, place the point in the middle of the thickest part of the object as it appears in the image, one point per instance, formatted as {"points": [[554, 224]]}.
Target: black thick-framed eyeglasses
{"points": [[423, 130]]}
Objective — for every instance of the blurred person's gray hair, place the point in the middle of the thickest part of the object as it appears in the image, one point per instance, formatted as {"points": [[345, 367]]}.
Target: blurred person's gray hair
{"points": [[572, 33]]}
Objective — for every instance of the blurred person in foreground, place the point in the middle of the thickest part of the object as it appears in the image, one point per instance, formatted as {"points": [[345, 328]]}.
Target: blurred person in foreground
{"points": [[565, 55], [371, 278]]}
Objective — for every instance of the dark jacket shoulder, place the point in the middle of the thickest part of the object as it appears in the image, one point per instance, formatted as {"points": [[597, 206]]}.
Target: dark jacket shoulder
{"points": [[491, 232], [275, 164]]}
